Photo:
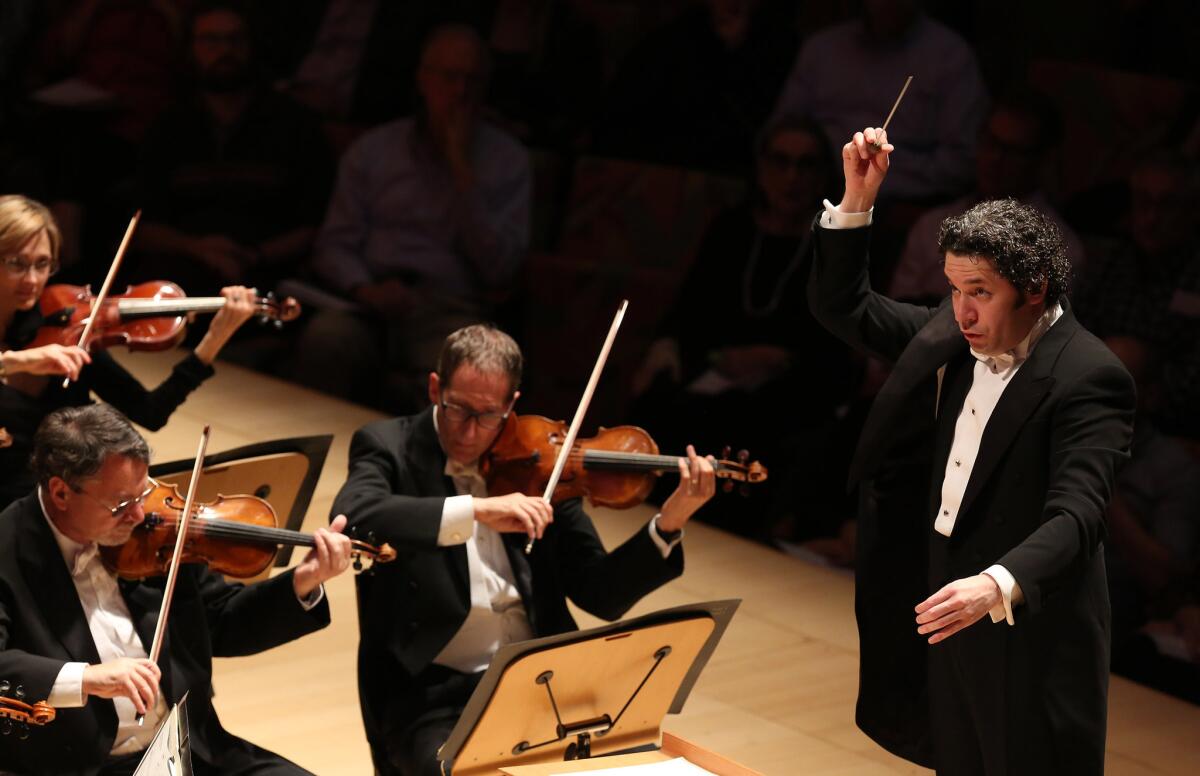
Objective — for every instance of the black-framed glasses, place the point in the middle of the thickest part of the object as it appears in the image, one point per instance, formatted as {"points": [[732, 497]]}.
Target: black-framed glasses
{"points": [[120, 509], [456, 413], [15, 266]]}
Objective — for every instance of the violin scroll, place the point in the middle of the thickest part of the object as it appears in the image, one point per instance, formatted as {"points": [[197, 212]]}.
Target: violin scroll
{"points": [[16, 714]]}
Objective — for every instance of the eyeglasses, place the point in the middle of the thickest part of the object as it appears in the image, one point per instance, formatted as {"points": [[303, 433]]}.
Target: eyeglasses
{"points": [[123, 507], [456, 413], [16, 266]]}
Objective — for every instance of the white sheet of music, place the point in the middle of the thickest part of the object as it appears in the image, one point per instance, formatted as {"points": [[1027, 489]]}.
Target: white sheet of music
{"points": [[675, 767]]}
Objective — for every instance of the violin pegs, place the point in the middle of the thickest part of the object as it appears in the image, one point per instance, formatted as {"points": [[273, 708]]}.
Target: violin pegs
{"points": [[358, 561], [743, 457], [4, 685], [6, 726], [19, 693], [727, 486], [22, 730], [278, 324], [744, 490], [725, 451]]}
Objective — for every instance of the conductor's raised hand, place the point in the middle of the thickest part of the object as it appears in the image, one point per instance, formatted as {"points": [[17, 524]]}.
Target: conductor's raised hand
{"points": [[515, 513], [865, 162]]}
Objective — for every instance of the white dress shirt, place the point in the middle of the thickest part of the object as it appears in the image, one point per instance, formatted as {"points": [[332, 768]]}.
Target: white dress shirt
{"points": [[497, 615], [112, 630], [114, 635], [991, 376]]}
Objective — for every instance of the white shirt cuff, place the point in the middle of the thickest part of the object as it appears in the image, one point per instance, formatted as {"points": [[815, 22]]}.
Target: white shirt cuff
{"points": [[67, 691], [833, 218], [458, 521], [662, 544], [1010, 593], [309, 602]]}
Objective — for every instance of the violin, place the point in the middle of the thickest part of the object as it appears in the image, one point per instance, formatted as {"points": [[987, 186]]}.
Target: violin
{"points": [[234, 535], [616, 468], [15, 709], [149, 316]]}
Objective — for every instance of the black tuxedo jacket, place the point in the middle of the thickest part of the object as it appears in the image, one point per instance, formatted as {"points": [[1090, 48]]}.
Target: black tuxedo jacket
{"points": [[42, 627], [410, 609], [1035, 503]]}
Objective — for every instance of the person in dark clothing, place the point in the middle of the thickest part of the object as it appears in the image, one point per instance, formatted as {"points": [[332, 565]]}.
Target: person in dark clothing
{"points": [[234, 177], [461, 586], [695, 92], [739, 344], [30, 378], [1012, 421], [78, 637]]}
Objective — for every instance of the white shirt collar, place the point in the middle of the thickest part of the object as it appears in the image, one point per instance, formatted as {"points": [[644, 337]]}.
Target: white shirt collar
{"points": [[76, 555]]}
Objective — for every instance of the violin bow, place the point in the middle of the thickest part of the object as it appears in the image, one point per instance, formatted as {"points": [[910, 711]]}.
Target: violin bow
{"points": [[112, 273], [577, 421], [160, 631]]}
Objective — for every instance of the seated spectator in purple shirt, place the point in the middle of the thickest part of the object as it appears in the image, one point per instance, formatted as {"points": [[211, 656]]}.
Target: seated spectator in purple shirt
{"points": [[1020, 133], [234, 176], [848, 76], [428, 225]]}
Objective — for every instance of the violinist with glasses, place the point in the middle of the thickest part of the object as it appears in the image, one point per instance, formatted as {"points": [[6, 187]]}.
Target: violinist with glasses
{"points": [[74, 634], [464, 583], [31, 384]]}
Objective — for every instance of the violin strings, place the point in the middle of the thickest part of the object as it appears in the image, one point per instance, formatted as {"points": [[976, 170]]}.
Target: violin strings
{"points": [[227, 529]]}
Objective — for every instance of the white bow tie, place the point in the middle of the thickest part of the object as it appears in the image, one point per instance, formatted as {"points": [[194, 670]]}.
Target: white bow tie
{"points": [[1002, 362]]}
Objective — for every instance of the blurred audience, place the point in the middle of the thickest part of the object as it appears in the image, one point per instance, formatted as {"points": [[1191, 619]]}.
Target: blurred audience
{"points": [[695, 92], [1020, 134], [427, 228], [234, 176], [1148, 287], [848, 77], [1154, 544], [738, 347]]}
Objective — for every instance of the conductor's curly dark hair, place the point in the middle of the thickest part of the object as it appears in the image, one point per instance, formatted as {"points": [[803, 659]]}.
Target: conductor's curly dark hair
{"points": [[1026, 247]]}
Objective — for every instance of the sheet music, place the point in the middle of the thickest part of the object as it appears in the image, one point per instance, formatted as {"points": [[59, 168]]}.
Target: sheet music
{"points": [[676, 767], [169, 753]]}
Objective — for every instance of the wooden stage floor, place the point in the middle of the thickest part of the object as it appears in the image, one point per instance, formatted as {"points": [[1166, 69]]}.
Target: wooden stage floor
{"points": [[777, 696]]}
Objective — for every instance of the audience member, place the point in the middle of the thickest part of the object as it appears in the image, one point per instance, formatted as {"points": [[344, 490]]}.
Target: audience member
{"points": [[234, 176], [427, 227], [739, 344], [1020, 133], [1154, 537], [695, 92], [1149, 286], [849, 75]]}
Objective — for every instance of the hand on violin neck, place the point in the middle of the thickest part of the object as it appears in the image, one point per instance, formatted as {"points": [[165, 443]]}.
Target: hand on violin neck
{"points": [[329, 557], [126, 677], [514, 513], [66, 360], [239, 307], [697, 484]]}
